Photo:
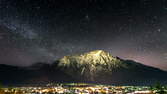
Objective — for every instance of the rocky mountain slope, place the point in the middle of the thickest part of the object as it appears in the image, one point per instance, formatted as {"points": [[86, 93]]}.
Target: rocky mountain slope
{"points": [[93, 67], [101, 67]]}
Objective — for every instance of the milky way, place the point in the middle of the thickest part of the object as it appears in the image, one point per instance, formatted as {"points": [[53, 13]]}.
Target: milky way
{"points": [[44, 30]]}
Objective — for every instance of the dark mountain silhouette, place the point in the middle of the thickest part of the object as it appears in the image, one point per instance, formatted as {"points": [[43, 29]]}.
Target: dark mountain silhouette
{"points": [[94, 67]]}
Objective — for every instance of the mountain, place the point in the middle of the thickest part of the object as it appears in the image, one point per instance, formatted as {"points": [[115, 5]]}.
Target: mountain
{"points": [[101, 67], [93, 67], [89, 64]]}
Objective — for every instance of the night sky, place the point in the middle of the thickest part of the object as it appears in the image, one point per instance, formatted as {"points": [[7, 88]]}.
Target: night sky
{"points": [[45, 30]]}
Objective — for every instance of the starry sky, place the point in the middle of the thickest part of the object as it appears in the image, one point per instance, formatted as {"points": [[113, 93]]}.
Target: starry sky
{"points": [[45, 30]]}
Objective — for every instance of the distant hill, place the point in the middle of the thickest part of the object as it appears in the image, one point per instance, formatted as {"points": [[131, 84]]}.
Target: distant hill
{"points": [[93, 67]]}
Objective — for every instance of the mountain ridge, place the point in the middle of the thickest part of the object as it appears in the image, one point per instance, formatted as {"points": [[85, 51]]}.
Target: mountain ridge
{"points": [[92, 67]]}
